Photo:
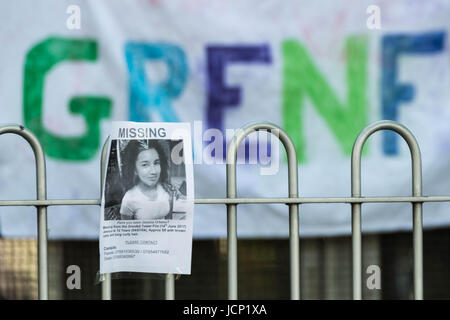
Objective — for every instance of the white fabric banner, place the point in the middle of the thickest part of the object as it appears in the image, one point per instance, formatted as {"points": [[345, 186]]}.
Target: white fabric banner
{"points": [[321, 70]]}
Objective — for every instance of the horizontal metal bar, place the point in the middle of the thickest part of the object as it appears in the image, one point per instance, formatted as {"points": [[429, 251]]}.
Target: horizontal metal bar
{"points": [[305, 200], [47, 202], [300, 200]]}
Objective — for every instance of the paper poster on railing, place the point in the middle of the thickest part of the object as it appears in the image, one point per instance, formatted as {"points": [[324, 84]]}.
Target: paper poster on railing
{"points": [[148, 199]]}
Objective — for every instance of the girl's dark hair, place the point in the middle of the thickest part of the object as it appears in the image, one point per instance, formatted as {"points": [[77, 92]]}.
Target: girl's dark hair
{"points": [[130, 154]]}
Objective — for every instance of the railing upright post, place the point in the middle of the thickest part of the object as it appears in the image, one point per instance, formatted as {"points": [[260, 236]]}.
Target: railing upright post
{"points": [[41, 189], [294, 241], [106, 283], [417, 206]]}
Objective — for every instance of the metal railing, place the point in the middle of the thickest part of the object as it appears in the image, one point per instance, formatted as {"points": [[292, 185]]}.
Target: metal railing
{"points": [[232, 201]]}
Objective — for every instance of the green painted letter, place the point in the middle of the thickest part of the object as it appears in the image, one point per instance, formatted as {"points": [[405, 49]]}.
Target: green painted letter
{"points": [[302, 78], [39, 61]]}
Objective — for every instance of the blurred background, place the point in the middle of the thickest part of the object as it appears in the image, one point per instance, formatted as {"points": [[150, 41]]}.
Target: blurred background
{"points": [[263, 269], [321, 70]]}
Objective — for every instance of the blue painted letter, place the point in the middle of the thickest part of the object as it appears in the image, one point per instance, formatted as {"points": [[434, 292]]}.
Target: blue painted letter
{"points": [[392, 92], [219, 95], [145, 95]]}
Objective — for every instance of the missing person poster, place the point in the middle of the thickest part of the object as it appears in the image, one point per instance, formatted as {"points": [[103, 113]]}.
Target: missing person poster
{"points": [[148, 199]]}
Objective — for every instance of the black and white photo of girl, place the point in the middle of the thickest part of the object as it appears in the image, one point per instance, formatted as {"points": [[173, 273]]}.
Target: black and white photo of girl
{"points": [[144, 182]]}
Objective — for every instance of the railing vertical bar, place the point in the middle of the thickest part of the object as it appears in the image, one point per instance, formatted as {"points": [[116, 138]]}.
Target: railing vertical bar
{"points": [[106, 283], [170, 287], [356, 251], [232, 252], [232, 223], [294, 236], [417, 216], [42, 217], [42, 253], [418, 251], [106, 287], [356, 218]]}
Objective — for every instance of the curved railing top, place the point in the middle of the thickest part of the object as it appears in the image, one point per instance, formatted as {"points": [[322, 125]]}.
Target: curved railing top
{"points": [[406, 135], [38, 153], [103, 164], [285, 140]]}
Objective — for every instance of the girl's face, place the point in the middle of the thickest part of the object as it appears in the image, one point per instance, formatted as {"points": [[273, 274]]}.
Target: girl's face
{"points": [[148, 167]]}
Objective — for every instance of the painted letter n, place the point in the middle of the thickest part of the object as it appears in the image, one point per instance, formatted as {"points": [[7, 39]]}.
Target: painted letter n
{"points": [[301, 79]]}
